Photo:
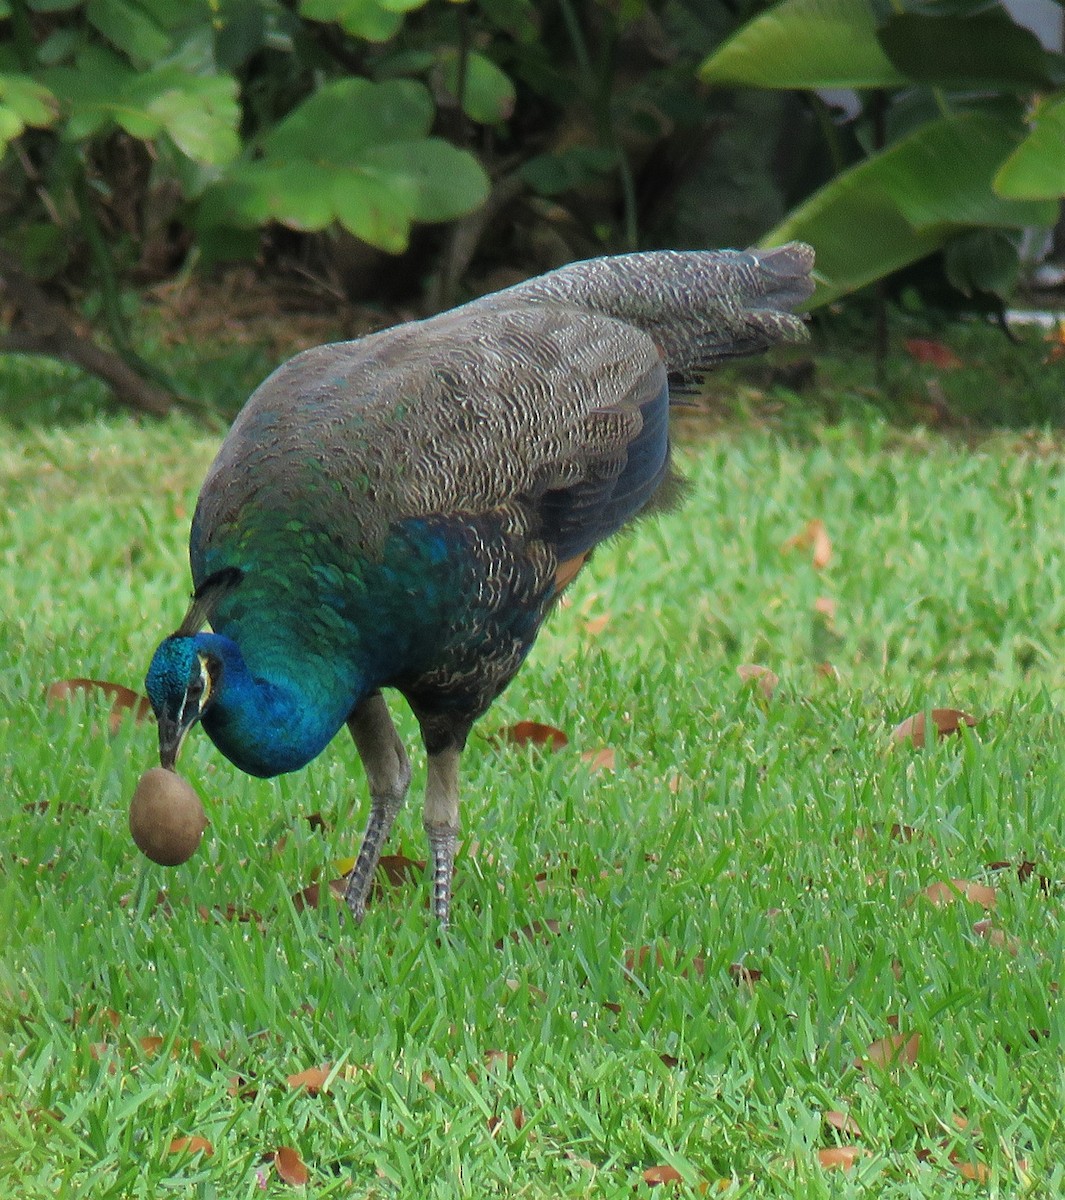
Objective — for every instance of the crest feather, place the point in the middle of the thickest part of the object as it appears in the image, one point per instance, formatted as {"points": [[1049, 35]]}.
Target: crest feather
{"points": [[206, 598]]}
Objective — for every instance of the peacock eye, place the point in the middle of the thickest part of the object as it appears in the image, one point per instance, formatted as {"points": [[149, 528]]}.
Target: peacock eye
{"points": [[195, 689]]}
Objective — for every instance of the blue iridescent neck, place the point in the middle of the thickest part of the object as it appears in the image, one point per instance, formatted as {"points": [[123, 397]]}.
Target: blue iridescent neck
{"points": [[268, 724]]}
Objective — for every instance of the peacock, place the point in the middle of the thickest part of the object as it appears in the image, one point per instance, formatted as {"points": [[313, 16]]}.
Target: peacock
{"points": [[403, 511]]}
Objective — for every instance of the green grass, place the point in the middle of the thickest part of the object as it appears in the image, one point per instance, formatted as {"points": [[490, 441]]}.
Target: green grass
{"points": [[732, 831]]}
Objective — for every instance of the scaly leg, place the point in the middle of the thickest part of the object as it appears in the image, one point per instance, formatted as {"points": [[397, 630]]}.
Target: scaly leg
{"points": [[388, 774], [441, 821]]}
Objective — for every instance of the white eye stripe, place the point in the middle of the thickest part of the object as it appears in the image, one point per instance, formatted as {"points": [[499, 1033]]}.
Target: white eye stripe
{"points": [[196, 699]]}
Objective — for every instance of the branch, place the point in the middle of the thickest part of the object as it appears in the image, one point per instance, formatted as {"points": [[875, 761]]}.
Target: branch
{"points": [[466, 236], [44, 327]]}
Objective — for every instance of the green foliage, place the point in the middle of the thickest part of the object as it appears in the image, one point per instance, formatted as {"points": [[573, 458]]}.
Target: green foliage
{"points": [[1036, 168], [805, 44], [357, 153], [947, 146], [918, 193]]}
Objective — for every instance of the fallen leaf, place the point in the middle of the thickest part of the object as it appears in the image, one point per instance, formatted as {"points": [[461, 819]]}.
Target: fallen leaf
{"points": [[670, 1060], [762, 677], [599, 760], [596, 625], [232, 913], [843, 1123], [192, 1145], [313, 1078], [945, 720], [1026, 869], [945, 892], [894, 832], [395, 870], [822, 547], [977, 1171], [124, 701], [290, 1166], [637, 960], [497, 1058], [815, 539], [311, 895], [998, 938], [747, 976], [535, 993], [161, 902], [931, 353], [532, 733], [841, 1157], [895, 1050], [241, 1088], [663, 1174], [826, 606]]}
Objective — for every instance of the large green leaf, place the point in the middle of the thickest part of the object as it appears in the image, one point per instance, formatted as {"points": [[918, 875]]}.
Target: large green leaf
{"points": [[358, 153], [24, 102], [374, 20], [131, 28], [344, 117], [977, 50], [1036, 169], [805, 44], [487, 93], [199, 112], [907, 201]]}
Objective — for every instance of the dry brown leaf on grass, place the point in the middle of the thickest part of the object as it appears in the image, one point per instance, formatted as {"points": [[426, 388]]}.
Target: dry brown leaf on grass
{"points": [[313, 1079], [639, 960], [895, 1050], [815, 539], [944, 720], [947, 891], [840, 1158], [533, 733], [931, 353], [193, 1144], [516, 985], [996, 937], [290, 1167], [517, 1118], [311, 895], [124, 701], [654, 1176], [744, 975], [758, 676], [893, 833], [843, 1123], [600, 760]]}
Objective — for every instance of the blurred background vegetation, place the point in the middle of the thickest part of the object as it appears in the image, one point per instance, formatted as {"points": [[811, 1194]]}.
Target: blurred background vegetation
{"points": [[406, 155]]}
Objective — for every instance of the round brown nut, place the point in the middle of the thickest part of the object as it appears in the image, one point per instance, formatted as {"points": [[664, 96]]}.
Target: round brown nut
{"points": [[166, 817]]}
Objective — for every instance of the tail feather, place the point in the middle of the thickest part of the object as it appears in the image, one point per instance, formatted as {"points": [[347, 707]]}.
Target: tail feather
{"points": [[699, 306]]}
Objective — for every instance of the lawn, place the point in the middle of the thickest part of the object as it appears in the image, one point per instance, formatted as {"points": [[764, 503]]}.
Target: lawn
{"points": [[713, 939]]}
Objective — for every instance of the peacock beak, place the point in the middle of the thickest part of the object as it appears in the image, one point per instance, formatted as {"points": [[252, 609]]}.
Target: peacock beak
{"points": [[171, 735]]}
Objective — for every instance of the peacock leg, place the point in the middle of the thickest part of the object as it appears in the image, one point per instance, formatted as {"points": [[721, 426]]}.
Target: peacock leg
{"points": [[388, 775], [441, 821]]}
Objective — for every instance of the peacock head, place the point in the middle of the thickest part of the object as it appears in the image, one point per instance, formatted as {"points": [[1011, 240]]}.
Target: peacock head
{"points": [[180, 682], [184, 676]]}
